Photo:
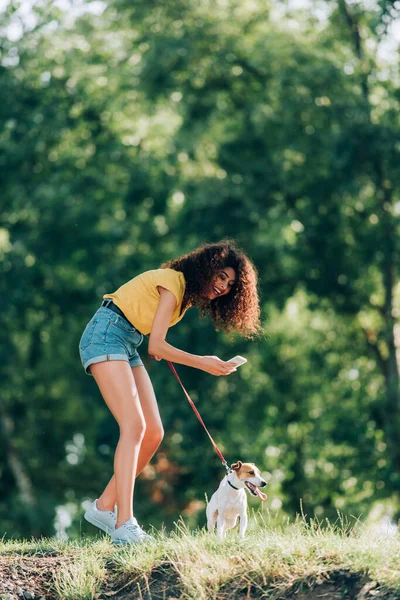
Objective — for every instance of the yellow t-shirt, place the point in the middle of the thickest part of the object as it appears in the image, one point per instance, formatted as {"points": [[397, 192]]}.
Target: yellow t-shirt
{"points": [[139, 298]]}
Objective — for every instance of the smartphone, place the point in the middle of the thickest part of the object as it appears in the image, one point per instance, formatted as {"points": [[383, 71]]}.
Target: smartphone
{"points": [[238, 360]]}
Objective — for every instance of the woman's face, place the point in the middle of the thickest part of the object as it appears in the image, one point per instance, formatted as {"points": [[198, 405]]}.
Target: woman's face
{"points": [[221, 283]]}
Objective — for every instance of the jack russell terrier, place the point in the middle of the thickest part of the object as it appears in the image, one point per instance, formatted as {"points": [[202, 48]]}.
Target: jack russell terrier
{"points": [[230, 502]]}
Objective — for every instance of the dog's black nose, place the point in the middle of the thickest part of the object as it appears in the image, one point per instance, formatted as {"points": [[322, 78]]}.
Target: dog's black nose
{"points": [[264, 483]]}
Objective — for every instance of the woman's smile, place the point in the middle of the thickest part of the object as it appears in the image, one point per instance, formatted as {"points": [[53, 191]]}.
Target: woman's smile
{"points": [[222, 283]]}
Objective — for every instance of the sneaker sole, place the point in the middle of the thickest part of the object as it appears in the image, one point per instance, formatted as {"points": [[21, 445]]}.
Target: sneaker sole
{"points": [[97, 523], [118, 542], [125, 543]]}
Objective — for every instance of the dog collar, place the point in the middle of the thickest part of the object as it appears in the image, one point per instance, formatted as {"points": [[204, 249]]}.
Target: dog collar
{"points": [[232, 486]]}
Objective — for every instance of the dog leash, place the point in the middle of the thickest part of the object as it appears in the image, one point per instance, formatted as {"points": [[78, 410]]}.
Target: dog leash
{"points": [[217, 450]]}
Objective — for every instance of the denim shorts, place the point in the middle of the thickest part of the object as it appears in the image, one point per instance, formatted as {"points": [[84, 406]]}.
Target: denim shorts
{"points": [[108, 336]]}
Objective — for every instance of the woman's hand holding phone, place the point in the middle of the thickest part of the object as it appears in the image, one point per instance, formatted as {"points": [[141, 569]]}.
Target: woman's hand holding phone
{"points": [[216, 366]]}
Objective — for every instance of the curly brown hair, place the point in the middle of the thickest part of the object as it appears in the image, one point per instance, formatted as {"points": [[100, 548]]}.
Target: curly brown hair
{"points": [[238, 311]]}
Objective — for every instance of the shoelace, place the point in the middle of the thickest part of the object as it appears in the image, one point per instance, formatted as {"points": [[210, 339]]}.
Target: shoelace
{"points": [[137, 530]]}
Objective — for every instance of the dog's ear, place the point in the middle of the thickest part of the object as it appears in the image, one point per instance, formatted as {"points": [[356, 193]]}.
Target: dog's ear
{"points": [[236, 466]]}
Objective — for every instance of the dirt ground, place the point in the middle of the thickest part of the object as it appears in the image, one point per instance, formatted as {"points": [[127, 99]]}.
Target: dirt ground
{"points": [[31, 578]]}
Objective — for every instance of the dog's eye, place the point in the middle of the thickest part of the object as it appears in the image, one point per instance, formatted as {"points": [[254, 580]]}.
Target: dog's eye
{"points": [[251, 472]]}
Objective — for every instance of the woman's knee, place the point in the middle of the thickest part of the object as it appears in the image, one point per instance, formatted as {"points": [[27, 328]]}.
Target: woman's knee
{"points": [[134, 430], [154, 434], [159, 436]]}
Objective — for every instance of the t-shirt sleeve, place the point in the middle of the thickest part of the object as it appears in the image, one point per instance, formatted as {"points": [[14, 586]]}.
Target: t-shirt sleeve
{"points": [[170, 280]]}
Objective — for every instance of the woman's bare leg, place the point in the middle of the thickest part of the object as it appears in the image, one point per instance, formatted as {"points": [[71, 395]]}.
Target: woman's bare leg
{"points": [[152, 438], [118, 388]]}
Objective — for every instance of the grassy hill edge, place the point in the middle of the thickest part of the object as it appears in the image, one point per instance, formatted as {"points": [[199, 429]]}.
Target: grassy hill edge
{"points": [[302, 560]]}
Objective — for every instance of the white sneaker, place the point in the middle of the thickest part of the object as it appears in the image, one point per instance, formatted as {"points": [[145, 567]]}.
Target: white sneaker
{"points": [[130, 533], [104, 519]]}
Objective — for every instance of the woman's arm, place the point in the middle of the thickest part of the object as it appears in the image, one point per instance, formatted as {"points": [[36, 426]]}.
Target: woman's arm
{"points": [[159, 347]]}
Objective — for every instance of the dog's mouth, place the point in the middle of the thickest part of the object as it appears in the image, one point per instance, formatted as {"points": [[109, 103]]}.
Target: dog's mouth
{"points": [[254, 490]]}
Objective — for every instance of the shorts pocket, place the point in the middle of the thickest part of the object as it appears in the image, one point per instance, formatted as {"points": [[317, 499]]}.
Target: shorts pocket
{"points": [[121, 323], [123, 332], [87, 336]]}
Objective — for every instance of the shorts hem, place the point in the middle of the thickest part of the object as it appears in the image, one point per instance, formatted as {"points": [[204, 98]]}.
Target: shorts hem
{"points": [[103, 358], [136, 363]]}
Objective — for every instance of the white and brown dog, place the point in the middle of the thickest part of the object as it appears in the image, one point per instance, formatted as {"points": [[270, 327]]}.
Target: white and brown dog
{"points": [[230, 502]]}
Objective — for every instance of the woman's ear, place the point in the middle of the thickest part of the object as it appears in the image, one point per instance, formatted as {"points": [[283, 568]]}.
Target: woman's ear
{"points": [[236, 466]]}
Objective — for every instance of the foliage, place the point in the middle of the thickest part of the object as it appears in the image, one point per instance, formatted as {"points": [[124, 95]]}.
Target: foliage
{"points": [[130, 136]]}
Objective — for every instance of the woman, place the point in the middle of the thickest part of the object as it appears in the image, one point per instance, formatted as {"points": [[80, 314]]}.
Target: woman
{"points": [[218, 279]]}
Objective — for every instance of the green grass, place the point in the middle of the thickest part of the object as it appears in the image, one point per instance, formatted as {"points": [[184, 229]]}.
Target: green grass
{"points": [[271, 562]]}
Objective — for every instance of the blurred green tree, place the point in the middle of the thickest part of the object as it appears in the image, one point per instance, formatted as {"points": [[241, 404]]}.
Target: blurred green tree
{"points": [[130, 136]]}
